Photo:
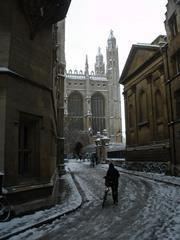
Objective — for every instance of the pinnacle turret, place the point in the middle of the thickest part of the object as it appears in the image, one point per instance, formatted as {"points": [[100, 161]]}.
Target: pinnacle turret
{"points": [[112, 68], [111, 40], [99, 65], [86, 66]]}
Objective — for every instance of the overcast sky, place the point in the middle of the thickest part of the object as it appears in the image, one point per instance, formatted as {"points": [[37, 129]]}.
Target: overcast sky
{"points": [[88, 24]]}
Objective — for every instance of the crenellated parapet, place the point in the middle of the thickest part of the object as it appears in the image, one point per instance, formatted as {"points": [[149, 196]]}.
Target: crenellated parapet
{"points": [[98, 94], [75, 74]]}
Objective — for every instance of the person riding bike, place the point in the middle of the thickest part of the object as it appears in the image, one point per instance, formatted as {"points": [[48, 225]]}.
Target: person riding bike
{"points": [[111, 180]]}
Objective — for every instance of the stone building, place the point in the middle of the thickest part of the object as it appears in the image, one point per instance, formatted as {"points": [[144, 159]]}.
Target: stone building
{"points": [[92, 99], [170, 60], [30, 88], [145, 97], [171, 52]]}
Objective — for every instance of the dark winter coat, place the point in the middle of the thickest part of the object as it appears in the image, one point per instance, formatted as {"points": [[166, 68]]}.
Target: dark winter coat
{"points": [[112, 176]]}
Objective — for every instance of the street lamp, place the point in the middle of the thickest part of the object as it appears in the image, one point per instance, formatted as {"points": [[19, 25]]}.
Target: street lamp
{"points": [[101, 142]]}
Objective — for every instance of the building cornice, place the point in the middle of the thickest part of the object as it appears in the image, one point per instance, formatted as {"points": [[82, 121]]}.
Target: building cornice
{"points": [[41, 13], [7, 71], [140, 68]]}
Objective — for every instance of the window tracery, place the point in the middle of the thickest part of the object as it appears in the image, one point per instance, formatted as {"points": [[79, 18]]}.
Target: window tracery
{"points": [[75, 111], [98, 112]]}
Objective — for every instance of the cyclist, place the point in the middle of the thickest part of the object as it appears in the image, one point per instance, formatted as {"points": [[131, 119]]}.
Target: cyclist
{"points": [[111, 180]]}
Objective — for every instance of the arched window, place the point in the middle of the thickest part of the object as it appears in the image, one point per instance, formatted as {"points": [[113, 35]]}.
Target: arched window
{"points": [[142, 106], [98, 112], [158, 104], [75, 111]]}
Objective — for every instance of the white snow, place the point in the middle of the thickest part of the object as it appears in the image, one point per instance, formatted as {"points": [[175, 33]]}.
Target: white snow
{"points": [[147, 210], [73, 201], [154, 176]]}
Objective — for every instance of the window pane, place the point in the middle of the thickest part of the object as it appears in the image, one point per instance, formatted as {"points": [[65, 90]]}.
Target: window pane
{"points": [[75, 110], [98, 112]]}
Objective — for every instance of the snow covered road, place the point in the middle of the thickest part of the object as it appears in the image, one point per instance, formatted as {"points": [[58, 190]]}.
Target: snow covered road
{"points": [[147, 210]]}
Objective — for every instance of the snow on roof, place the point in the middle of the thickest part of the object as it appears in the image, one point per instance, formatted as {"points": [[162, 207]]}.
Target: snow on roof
{"points": [[147, 45]]}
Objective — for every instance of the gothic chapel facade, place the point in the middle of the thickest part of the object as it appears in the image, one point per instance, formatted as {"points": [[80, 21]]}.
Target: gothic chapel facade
{"points": [[92, 99]]}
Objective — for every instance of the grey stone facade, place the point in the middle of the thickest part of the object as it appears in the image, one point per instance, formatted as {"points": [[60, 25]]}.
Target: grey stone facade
{"points": [[94, 85], [171, 53], [162, 75], [31, 94], [143, 77]]}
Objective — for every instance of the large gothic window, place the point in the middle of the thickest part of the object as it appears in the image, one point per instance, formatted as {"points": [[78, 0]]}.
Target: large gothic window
{"points": [[75, 111], [98, 112]]}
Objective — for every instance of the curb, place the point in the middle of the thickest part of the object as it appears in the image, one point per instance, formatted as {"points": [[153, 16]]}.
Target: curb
{"points": [[151, 178], [46, 221]]}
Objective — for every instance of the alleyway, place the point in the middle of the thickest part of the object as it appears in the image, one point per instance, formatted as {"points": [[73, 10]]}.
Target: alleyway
{"points": [[147, 210]]}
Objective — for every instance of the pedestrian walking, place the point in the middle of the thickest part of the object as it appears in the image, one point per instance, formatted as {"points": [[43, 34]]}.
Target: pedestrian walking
{"points": [[96, 159], [92, 160], [111, 179]]}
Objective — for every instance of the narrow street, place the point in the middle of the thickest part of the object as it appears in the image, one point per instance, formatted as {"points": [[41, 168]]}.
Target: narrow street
{"points": [[85, 83], [147, 210]]}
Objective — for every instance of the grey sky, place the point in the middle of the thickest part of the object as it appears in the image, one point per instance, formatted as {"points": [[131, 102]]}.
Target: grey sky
{"points": [[88, 24]]}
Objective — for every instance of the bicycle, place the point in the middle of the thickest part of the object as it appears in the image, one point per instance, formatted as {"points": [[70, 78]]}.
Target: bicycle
{"points": [[106, 191], [5, 209]]}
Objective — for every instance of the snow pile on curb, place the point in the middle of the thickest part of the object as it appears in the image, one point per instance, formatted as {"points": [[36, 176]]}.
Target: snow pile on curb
{"points": [[72, 202], [154, 176]]}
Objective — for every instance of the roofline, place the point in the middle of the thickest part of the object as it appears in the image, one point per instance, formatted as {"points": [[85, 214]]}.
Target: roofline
{"points": [[131, 53], [141, 67]]}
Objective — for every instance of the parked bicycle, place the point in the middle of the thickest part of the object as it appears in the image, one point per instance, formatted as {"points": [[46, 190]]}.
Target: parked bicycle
{"points": [[5, 209]]}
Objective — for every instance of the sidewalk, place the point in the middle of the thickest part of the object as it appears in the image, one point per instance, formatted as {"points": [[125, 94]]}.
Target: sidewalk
{"points": [[69, 200], [171, 180]]}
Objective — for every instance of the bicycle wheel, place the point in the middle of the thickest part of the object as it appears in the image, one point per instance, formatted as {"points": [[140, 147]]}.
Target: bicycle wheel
{"points": [[105, 197], [5, 209]]}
